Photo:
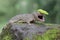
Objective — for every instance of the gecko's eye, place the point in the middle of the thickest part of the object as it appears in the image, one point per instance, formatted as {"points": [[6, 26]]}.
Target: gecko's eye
{"points": [[40, 16]]}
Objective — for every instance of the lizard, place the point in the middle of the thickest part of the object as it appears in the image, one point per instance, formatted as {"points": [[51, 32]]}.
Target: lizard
{"points": [[29, 17]]}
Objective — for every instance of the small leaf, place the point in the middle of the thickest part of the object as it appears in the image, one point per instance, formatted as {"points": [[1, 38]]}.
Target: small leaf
{"points": [[42, 11]]}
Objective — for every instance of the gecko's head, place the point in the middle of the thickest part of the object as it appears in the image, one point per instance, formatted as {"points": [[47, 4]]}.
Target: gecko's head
{"points": [[41, 14]]}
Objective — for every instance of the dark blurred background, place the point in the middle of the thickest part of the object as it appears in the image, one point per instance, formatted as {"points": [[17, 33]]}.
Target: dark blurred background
{"points": [[10, 8]]}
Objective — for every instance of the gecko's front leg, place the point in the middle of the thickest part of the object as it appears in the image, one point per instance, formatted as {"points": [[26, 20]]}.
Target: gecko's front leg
{"points": [[29, 23]]}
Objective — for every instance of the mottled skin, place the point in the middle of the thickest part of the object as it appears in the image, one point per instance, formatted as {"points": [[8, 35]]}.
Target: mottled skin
{"points": [[27, 18]]}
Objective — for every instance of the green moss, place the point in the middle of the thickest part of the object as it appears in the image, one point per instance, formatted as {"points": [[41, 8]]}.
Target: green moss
{"points": [[7, 37], [6, 34], [49, 35]]}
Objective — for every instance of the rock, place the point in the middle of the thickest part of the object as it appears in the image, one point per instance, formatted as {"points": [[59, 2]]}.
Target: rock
{"points": [[23, 31]]}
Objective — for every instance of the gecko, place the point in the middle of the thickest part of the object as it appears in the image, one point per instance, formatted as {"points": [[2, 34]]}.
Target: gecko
{"points": [[29, 17]]}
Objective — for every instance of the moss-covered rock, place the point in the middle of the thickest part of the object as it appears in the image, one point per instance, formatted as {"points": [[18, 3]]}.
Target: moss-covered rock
{"points": [[23, 31]]}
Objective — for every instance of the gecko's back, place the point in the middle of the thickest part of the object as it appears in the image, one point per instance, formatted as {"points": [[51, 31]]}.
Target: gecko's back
{"points": [[23, 17]]}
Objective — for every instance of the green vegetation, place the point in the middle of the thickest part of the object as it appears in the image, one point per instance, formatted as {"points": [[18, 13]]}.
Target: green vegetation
{"points": [[9, 8], [42, 11]]}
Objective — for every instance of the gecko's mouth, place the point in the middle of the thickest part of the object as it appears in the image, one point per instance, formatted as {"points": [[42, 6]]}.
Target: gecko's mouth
{"points": [[41, 17]]}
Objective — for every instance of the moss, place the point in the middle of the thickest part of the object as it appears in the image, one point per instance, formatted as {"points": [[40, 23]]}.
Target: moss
{"points": [[6, 34], [50, 34], [7, 37]]}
